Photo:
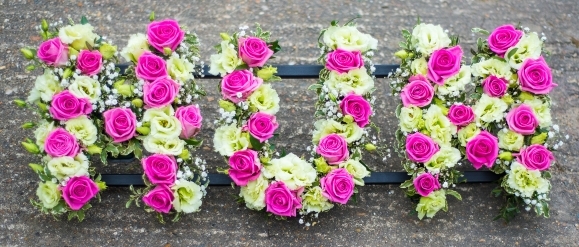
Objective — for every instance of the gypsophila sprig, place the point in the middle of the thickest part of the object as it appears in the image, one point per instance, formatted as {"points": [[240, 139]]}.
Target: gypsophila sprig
{"points": [[75, 61], [431, 82]]}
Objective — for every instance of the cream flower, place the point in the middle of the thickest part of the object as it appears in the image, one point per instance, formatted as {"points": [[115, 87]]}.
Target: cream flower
{"points": [[357, 81], [46, 85], [457, 83], [410, 119], [163, 125], [510, 140], [48, 193], [439, 126], [445, 158], [40, 134], [542, 111], [229, 138], [528, 47], [467, 133], [180, 69], [349, 38], [254, 193], [490, 109], [527, 182], [226, 61], [83, 129], [187, 195], [314, 201], [426, 38], [293, 171], [419, 66], [494, 67], [356, 169], [65, 166], [162, 145], [135, 48], [265, 99], [78, 35], [85, 87]]}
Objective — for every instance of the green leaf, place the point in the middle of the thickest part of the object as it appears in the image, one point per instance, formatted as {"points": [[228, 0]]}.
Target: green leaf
{"points": [[398, 110], [315, 87], [480, 30], [274, 46], [455, 194], [83, 20], [512, 52], [80, 215], [406, 184], [255, 143], [406, 33], [194, 142]]}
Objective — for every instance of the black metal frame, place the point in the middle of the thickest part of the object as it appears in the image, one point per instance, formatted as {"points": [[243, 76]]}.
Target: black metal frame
{"points": [[296, 72]]}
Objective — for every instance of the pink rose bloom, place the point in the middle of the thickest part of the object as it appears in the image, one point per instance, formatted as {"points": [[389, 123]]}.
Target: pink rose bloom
{"points": [[244, 166], [89, 62], [262, 125], [120, 124], [535, 76], [60, 143], [78, 191], [522, 120], [460, 115], [254, 51], [53, 52], [338, 186], [238, 85], [160, 199], [483, 149], [160, 169], [420, 147], [282, 201], [343, 61], [333, 148], [536, 157], [419, 92], [503, 38], [161, 92], [151, 67], [425, 184], [444, 63], [495, 86], [165, 33], [191, 120], [65, 106], [357, 107]]}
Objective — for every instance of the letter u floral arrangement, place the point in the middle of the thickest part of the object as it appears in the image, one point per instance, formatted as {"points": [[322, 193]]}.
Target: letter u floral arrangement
{"points": [[494, 113]]}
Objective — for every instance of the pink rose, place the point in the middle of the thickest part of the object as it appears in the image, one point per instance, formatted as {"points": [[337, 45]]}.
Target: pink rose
{"points": [[483, 149], [444, 63], [89, 62], [420, 148], [160, 198], [357, 107], [60, 143], [262, 125], [503, 38], [522, 120], [536, 157], [333, 148], [535, 76], [425, 183], [53, 52], [191, 120], [165, 33], [120, 124], [65, 106], [160, 169], [244, 166], [460, 115], [161, 92], [238, 85], [254, 51], [495, 86], [151, 67], [338, 186], [343, 61], [78, 191], [282, 201], [419, 92]]}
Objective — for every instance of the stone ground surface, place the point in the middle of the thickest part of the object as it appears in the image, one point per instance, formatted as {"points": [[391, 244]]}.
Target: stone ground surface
{"points": [[382, 217]]}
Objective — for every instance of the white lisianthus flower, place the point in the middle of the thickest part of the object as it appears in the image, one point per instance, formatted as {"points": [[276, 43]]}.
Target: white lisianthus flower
{"points": [[78, 35], [349, 38], [40, 134], [226, 61], [187, 195], [254, 193], [324, 127], [529, 46], [136, 46], [65, 166], [439, 126], [510, 140], [356, 169], [357, 81], [162, 124], [265, 99], [86, 87], [158, 112], [466, 134], [445, 158], [410, 119], [180, 69], [352, 132], [426, 38], [48, 193], [45, 86], [542, 111], [490, 109], [457, 83], [494, 67], [230, 138], [293, 171], [526, 182], [83, 129], [314, 201], [162, 145], [419, 66]]}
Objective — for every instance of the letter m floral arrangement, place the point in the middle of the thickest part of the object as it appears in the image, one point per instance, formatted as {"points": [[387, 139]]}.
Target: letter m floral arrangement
{"points": [[432, 114], [75, 61], [153, 105], [514, 130]]}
